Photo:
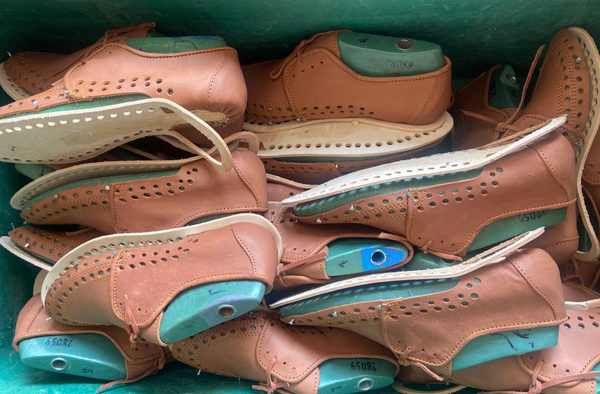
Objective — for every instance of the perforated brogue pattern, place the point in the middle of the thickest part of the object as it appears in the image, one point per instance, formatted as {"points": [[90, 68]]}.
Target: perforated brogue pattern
{"points": [[43, 243]]}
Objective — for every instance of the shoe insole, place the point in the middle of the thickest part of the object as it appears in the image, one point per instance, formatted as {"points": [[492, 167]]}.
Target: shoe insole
{"points": [[202, 307], [88, 355], [492, 346], [355, 255], [35, 171], [443, 147], [504, 90], [150, 45], [354, 375], [382, 56]]}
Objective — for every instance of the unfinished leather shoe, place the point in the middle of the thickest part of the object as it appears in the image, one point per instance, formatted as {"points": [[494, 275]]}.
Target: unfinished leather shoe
{"points": [[499, 292], [144, 196], [44, 248], [317, 254], [168, 84], [27, 73], [332, 99], [99, 352], [572, 366], [567, 85], [453, 203], [108, 280], [300, 360]]}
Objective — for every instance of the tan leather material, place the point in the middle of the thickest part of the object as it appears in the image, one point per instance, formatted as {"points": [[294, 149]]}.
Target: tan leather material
{"points": [[99, 288], [197, 190], [523, 291], [37, 71], [587, 273], [34, 322], [261, 341], [51, 245], [561, 240], [209, 80], [318, 85], [578, 351], [471, 132], [324, 171], [562, 88], [467, 206], [591, 171], [303, 242], [277, 192]]}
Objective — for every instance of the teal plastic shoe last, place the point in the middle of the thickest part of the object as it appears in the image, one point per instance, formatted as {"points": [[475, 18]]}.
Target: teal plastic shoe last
{"points": [[203, 307], [352, 256], [87, 355], [354, 375], [381, 56]]}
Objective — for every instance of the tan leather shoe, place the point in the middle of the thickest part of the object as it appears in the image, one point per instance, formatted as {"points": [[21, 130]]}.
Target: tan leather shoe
{"points": [[107, 280], [572, 366], [298, 360], [155, 196], [497, 292], [567, 85], [313, 108], [27, 73], [34, 322], [452, 203], [164, 88], [311, 254], [44, 248]]}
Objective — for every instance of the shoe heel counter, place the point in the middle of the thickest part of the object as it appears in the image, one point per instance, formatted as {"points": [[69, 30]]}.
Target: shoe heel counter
{"points": [[440, 99], [558, 156], [542, 274], [252, 172], [261, 248], [227, 91]]}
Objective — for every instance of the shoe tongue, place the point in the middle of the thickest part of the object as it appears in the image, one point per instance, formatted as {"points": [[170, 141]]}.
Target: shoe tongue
{"points": [[175, 44]]}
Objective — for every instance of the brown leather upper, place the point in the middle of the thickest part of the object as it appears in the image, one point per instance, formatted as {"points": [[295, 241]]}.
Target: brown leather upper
{"points": [[561, 240], [37, 71], [562, 88], [305, 246], [578, 351], [34, 322], [316, 84], [197, 190], [501, 190], [258, 339], [98, 289], [520, 292], [209, 80], [51, 245]]}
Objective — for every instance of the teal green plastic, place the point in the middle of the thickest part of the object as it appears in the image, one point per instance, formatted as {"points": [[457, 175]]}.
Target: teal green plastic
{"points": [[504, 91], [103, 181], [432, 388], [426, 261], [354, 375], [355, 255], [366, 293], [202, 307], [503, 344], [506, 228], [87, 355], [383, 56], [329, 203], [175, 44], [473, 34]]}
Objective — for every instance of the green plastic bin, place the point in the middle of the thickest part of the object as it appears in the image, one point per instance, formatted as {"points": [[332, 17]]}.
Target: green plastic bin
{"points": [[475, 35]]}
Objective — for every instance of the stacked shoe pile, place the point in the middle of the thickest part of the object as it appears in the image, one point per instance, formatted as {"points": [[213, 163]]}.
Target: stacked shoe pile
{"points": [[298, 222]]}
